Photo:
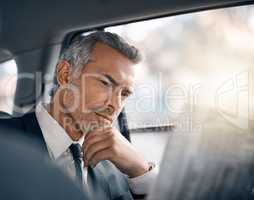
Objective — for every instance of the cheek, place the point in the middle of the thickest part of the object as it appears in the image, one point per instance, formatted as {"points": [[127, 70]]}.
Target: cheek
{"points": [[94, 96]]}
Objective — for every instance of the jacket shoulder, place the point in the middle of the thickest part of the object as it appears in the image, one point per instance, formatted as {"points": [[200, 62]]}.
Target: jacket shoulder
{"points": [[9, 122], [11, 126]]}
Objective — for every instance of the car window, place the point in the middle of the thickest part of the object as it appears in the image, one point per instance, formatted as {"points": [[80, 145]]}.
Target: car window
{"points": [[8, 79], [198, 61]]}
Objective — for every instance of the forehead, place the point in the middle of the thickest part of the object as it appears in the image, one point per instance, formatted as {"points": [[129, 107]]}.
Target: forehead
{"points": [[106, 60]]}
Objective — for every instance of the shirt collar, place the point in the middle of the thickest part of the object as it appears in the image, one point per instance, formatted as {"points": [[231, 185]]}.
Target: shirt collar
{"points": [[56, 138]]}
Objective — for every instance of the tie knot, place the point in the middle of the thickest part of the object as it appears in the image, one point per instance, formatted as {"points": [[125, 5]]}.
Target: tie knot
{"points": [[76, 151]]}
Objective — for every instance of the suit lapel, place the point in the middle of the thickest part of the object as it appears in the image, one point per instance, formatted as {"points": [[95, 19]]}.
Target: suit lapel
{"points": [[97, 184]]}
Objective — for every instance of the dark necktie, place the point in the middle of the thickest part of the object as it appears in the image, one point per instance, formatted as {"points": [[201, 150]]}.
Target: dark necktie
{"points": [[76, 153]]}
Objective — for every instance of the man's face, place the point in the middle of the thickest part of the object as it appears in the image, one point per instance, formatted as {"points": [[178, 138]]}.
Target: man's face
{"points": [[101, 90]]}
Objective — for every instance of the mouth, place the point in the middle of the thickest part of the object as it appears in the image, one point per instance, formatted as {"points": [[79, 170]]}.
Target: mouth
{"points": [[104, 117]]}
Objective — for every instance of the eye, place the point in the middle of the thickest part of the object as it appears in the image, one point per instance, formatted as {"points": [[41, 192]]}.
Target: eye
{"points": [[125, 93], [105, 83]]}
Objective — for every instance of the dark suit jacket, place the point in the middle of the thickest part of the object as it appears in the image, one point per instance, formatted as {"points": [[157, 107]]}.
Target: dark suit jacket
{"points": [[24, 179], [105, 180]]}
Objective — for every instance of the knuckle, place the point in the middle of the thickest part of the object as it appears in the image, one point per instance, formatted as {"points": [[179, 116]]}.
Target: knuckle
{"points": [[109, 134], [111, 131]]}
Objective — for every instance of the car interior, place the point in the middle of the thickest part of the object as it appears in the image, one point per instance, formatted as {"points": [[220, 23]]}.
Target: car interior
{"points": [[192, 110]]}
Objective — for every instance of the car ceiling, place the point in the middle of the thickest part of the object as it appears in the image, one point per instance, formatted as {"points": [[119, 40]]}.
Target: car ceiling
{"points": [[31, 32]]}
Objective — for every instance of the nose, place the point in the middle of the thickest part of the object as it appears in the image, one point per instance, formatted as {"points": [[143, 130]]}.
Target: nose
{"points": [[109, 110], [115, 104]]}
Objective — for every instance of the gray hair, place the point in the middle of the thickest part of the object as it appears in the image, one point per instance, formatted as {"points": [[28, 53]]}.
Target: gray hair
{"points": [[79, 51]]}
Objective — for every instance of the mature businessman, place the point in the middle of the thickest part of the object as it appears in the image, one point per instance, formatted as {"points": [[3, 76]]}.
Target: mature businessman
{"points": [[94, 77]]}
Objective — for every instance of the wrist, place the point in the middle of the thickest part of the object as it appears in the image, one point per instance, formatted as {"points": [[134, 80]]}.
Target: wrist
{"points": [[142, 169]]}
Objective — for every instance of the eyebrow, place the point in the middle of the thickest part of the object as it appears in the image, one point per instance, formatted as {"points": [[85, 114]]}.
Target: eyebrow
{"points": [[111, 79]]}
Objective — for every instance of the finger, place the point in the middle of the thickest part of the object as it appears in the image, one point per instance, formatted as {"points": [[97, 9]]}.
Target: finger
{"points": [[97, 131], [101, 155], [94, 136], [95, 139], [99, 146]]}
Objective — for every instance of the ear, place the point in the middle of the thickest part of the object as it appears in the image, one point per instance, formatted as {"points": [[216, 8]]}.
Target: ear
{"points": [[63, 71]]}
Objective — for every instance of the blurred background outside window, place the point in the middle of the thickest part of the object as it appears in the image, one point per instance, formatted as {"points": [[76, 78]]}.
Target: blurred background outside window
{"points": [[194, 62]]}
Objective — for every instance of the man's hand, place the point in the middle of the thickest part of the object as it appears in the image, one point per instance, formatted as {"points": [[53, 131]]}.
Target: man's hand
{"points": [[110, 145]]}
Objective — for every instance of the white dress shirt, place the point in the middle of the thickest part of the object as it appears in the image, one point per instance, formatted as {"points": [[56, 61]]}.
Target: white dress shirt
{"points": [[58, 143]]}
